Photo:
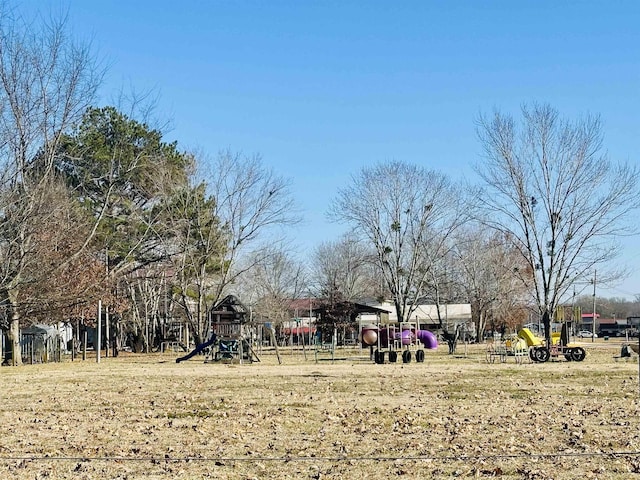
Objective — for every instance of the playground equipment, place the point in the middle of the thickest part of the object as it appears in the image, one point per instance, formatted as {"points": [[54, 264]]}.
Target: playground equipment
{"points": [[540, 352], [198, 349], [627, 352], [512, 347], [405, 339], [230, 335]]}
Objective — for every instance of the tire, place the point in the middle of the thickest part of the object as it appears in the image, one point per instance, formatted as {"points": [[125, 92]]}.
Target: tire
{"points": [[376, 357], [406, 356], [420, 356], [393, 356], [542, 354], [569, 354], [532, 354], [578, 354]]}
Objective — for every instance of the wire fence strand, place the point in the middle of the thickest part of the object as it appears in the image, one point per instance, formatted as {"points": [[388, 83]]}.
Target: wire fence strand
{"points": [[288, 459]]}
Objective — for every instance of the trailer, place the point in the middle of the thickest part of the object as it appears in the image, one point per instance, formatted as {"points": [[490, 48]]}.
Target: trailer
{"points": [[540, 352], [404, 340]]}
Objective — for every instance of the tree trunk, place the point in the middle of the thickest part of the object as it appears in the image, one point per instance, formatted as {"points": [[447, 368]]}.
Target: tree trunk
{"points": [[546, 320], [14, 340], [479, 320], [137, 342], [482, 326], [14, 330]]}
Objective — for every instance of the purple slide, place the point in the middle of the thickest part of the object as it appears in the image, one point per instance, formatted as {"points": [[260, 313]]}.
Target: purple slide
{"points": [[428, 339], [386, 335]]}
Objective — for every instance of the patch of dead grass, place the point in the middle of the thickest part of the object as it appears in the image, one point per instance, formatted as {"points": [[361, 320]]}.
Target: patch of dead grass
{"points": [[147, 417]]}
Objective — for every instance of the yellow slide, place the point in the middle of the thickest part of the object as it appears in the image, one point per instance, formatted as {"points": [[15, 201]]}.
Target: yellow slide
{"points": [[528, 336]]}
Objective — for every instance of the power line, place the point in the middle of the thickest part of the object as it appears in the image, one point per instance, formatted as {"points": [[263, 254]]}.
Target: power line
{"points": [[288, 459]]}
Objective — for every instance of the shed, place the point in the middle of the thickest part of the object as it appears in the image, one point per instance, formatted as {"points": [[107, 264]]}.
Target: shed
{"points": [[40, 344]]}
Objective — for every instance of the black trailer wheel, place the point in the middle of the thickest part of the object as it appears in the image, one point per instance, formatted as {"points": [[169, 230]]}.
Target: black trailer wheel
{"points": [[578, 354], [393, 356], [532, 354], [420, 356], [542, 354], [406, 356], [377, 357], [569, 354]]}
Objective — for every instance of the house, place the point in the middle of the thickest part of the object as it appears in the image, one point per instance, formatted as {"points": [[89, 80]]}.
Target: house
{"points": [[303, 318], [340, 319], [587, 322], [613, 327], [426, 316]]}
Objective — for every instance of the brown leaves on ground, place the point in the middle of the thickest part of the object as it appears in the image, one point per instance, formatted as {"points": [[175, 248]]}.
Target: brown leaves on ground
{"points": [[147, 417]]}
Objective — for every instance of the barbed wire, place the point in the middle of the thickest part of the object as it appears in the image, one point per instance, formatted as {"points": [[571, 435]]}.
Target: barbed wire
{"points": [[341, 458]]}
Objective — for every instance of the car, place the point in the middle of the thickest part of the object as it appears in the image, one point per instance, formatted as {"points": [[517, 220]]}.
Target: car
{"points": [[586, 334]]}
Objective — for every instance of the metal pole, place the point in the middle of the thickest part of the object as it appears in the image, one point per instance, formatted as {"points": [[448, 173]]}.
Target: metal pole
{"points": [[106, 331], [310, 314], [99, 332], [574, 320], [84, 340], [593, 322]]}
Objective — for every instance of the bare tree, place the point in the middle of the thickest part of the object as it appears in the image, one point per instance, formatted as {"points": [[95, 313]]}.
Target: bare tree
{"points": [[196, 247], [251, 203], [46, 82], [276, 280], [488, 272], [407, 214], [345, 266], [344, 272], [549, 187], [147, 317], [222, 226]]}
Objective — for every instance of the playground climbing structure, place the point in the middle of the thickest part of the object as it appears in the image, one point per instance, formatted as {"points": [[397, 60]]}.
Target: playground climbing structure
{"points": [[405, 340], [231, 334]]}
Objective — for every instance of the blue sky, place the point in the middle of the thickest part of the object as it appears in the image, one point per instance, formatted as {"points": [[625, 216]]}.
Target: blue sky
{"points": [[321, 89]]}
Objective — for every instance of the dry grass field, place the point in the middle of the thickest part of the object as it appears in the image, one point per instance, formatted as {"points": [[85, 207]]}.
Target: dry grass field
{"points": [[452, 416]]}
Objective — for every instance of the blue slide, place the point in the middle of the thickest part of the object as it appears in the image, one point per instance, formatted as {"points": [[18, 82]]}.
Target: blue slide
{"points": [[198, 349]]}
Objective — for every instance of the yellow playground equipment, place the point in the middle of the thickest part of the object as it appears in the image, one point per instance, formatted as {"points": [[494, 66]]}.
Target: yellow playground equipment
{"points": [[540, 352], [511, 347]]}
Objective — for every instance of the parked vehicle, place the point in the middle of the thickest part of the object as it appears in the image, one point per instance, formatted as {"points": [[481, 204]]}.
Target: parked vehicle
{"points": [[586, 334]]}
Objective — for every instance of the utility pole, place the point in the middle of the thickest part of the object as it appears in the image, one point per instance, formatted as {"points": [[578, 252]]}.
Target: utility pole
{"points": [[574, 319], [593, 322]]}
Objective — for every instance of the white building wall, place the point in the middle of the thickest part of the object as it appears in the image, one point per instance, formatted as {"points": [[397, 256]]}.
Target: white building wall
{"points": [[457, 313]]}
